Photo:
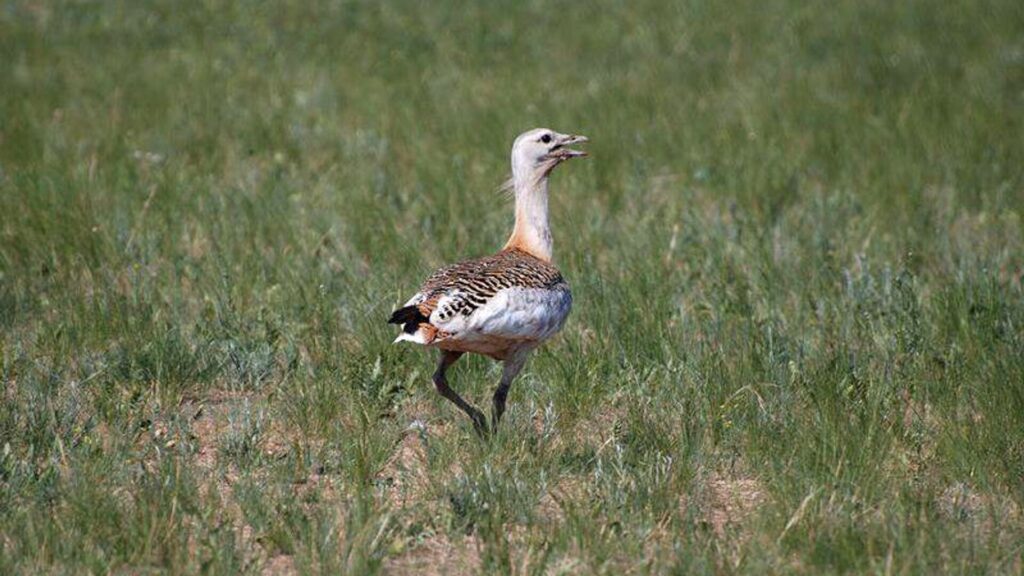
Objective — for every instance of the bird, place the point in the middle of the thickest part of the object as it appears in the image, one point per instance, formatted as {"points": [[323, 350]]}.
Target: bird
{"points": [[504, 305]]}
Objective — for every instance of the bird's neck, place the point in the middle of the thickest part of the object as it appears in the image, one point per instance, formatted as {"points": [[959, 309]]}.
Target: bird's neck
{"points": [[531, 233]]}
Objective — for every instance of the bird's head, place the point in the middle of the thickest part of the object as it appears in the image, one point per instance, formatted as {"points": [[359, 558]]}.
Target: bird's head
{"points": [[538, 151]]}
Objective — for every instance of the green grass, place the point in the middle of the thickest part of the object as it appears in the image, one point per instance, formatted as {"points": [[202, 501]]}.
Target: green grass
{"points": [[796, 254]]}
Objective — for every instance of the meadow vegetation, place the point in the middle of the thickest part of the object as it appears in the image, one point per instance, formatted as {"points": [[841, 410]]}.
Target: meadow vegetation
{"points": [[796, 254]]}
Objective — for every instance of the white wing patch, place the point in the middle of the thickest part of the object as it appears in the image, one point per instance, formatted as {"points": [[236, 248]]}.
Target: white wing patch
{"points": [[512, 313], [445, 311]]}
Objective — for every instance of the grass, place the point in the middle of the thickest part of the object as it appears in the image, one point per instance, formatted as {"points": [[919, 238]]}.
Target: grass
{"points": [[796, 255]]}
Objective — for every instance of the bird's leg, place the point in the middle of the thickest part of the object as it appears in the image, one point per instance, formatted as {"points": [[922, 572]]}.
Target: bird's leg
{"points": [[441, 382], [513, 364]]}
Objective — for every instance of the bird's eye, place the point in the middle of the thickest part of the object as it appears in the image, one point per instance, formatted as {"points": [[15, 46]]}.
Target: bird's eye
{"points": [[546, 138]]}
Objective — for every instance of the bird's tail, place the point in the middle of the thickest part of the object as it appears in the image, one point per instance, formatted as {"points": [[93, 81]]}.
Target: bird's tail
{"points": [[410, 317], [416, 326]]}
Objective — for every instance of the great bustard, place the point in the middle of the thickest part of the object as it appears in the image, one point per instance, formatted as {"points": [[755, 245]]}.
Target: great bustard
{"points": [[504, 305]]}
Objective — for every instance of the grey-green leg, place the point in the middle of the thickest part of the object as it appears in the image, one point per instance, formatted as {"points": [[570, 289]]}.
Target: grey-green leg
{"points": [[509, 371], [441, 382]]}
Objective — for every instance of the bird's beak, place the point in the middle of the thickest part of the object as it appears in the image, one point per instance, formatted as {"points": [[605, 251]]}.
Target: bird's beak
{"points": [[561, 150]]}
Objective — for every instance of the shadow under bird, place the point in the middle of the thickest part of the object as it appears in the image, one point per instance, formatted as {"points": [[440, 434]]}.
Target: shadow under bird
{"points": [[504, 305]]}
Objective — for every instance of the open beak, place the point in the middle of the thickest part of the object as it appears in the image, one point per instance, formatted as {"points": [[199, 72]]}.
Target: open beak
{"points": [[561, 150]]}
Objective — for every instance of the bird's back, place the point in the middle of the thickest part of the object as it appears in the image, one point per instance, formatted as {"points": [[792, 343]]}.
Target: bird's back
{"points": [[505, 299]]}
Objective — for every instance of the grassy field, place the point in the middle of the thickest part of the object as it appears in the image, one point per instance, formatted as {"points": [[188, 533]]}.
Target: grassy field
{"points": [[796, 253]]}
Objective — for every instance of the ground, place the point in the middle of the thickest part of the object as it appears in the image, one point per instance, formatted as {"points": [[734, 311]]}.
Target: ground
{"points": [[796, 252]]}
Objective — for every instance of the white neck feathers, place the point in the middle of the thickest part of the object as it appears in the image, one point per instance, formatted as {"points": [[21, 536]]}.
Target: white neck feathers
{"points": [[531, 233]]}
